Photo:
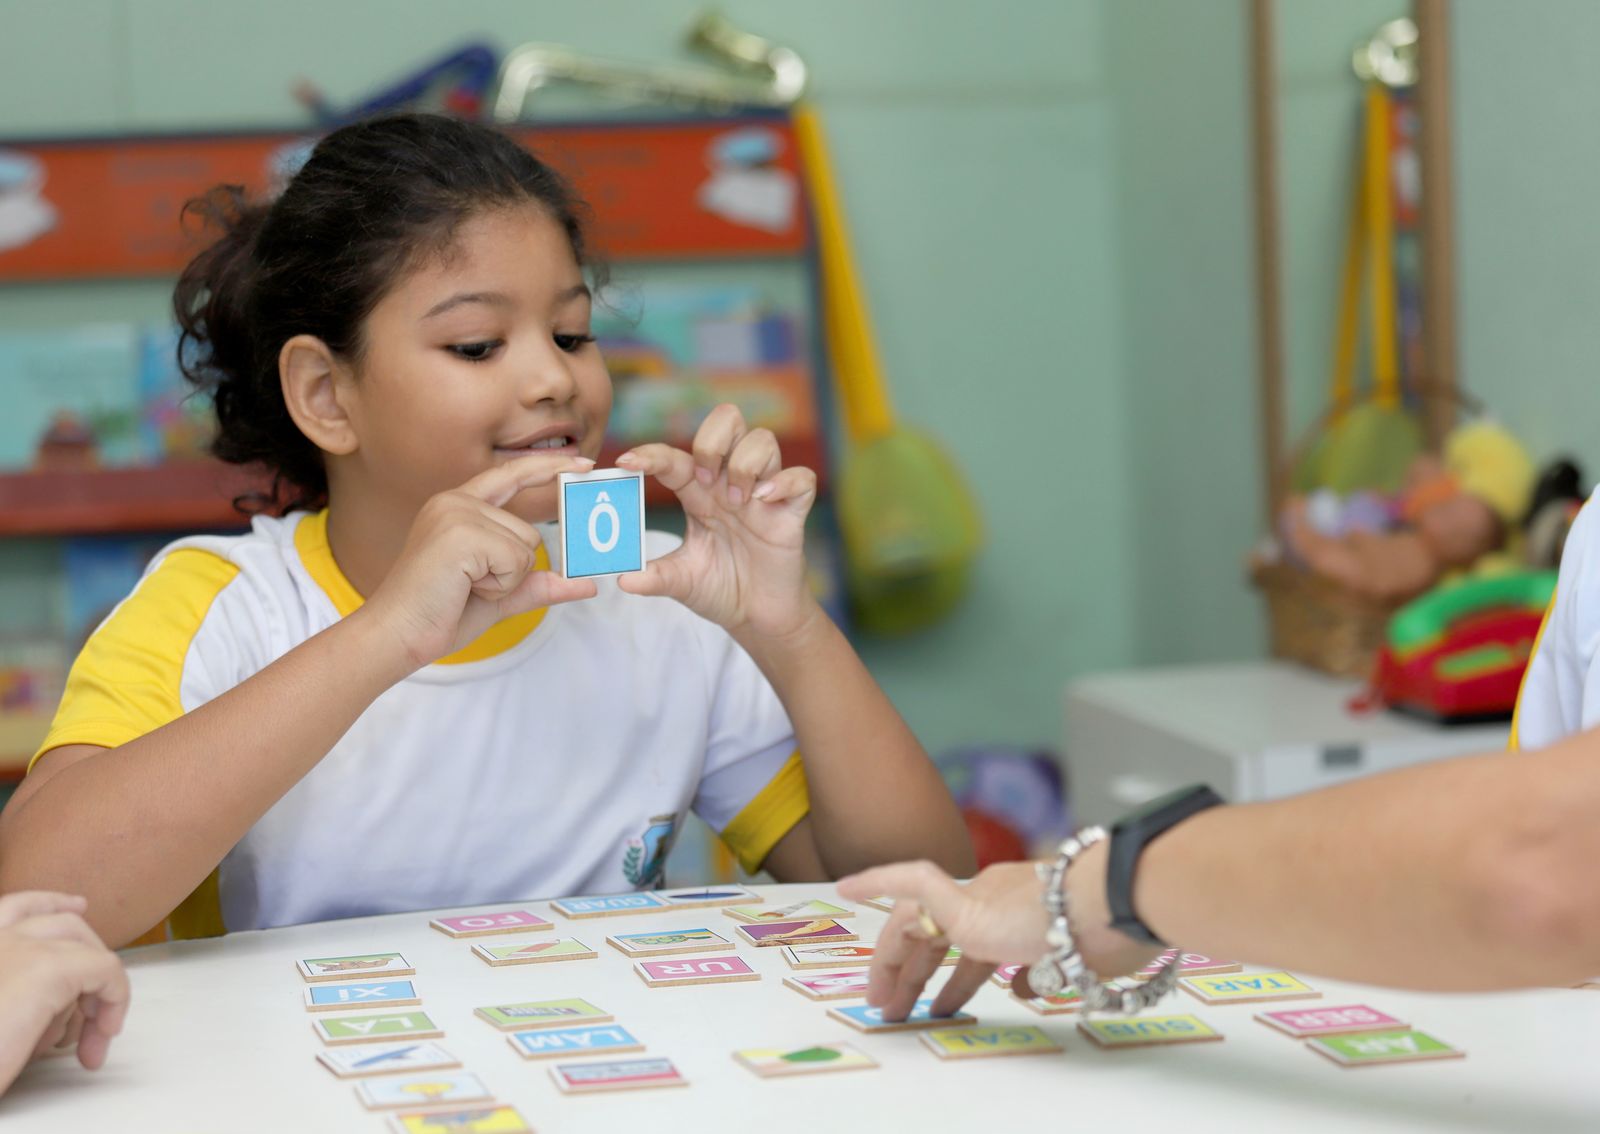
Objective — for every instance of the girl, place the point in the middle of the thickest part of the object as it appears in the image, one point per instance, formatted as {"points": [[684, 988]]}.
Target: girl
{"points": [[393, 702]]}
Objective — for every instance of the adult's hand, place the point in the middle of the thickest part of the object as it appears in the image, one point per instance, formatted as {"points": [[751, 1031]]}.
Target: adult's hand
{"points": [[996, 919]]}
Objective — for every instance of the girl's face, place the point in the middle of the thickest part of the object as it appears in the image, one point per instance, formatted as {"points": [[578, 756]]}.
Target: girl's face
{"points": [[475, 358]]}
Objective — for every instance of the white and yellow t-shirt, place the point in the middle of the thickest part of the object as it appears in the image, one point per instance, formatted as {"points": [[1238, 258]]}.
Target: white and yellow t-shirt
{"points": [[1560, 692], [556, 755]]}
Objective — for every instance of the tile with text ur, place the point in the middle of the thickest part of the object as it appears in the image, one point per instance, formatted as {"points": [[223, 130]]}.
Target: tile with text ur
{"points": [[1308, 1023], [817, 931], [365, 1029], [669, 944], [413, 1091], [608, 905], [1248, 988], [865, 1018], [535, 952], [492, 1119], [697, 970], [620, 1075], [386, 1059], [1189, 965], [365, 966], [793, 911], [1376, 1048], [609, 1039], [382, 994], [1148, 1031], [778, 1062], [707, 896], [543, 1014], [979, 1043], [486, 925], [851, 985]]}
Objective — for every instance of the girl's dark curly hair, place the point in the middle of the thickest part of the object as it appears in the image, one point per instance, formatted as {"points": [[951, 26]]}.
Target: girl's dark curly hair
{"points": [[372, 199]]}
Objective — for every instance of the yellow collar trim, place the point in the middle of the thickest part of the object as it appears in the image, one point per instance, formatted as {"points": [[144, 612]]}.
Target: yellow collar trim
{"points": [[311, 541]]}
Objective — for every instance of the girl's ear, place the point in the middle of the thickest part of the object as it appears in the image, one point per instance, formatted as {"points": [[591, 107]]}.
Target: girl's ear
{"points": [[315, 384]]}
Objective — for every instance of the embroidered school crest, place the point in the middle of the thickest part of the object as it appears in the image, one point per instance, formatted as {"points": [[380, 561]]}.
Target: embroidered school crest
{"points": [[646, 856]]}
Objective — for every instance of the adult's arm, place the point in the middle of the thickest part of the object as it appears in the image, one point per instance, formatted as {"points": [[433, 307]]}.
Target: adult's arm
{"points": [[1467, 874]]}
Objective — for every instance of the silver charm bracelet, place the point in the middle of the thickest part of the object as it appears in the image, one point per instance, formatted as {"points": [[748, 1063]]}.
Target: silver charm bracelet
{"points": [[1064, 965]]}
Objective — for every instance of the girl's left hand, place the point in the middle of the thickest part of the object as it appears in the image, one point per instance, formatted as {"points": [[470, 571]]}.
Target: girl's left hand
{"points": [[742, 564]]}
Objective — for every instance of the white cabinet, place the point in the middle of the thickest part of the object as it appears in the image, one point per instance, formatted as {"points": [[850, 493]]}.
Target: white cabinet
{"points": [[1252, 731]]}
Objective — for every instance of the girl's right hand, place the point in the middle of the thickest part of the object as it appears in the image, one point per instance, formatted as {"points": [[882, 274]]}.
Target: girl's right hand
{"points": [[468, 563]]}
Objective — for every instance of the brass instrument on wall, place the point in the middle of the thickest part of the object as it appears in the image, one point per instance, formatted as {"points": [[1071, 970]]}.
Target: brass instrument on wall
{"points": [[1390, 56], [753, 72]]}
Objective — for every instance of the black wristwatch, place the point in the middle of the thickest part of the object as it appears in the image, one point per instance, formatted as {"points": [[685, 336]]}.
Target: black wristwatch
{"points": [[1131, 834]]}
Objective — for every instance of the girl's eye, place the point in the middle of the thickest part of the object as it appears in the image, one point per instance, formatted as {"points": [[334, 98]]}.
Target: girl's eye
{"points": [[474, 352], [573, 343]]}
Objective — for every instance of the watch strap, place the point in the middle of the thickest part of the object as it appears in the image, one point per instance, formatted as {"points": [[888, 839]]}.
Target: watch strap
{"points": [[1129, 838]]}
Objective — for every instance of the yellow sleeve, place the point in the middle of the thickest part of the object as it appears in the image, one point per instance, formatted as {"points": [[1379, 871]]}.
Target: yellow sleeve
{"points": [[1514, 743], [771, 815], [126, 681]]}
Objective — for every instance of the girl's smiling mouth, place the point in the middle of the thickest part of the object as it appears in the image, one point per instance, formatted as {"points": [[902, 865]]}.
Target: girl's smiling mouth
{"points": [[560, 440]]}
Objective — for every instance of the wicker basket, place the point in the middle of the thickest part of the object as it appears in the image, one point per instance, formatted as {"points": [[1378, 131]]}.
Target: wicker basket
{"points": [[1313, 620], [1320, 624]]}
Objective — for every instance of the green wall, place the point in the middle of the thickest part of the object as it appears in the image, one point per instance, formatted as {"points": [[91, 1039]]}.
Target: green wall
{"points": [[1190, 454], [1050, 205], [1526, 98]]}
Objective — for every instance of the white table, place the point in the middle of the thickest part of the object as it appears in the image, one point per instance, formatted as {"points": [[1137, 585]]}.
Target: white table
{"points": [[1252, 730], [219, 1040]]}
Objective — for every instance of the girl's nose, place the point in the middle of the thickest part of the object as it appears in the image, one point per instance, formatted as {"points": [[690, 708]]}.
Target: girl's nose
{"points": [[547, 376]]}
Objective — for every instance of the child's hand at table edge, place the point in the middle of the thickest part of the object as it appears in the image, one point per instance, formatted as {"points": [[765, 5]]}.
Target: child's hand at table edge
{"points": [[60, 986]]}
